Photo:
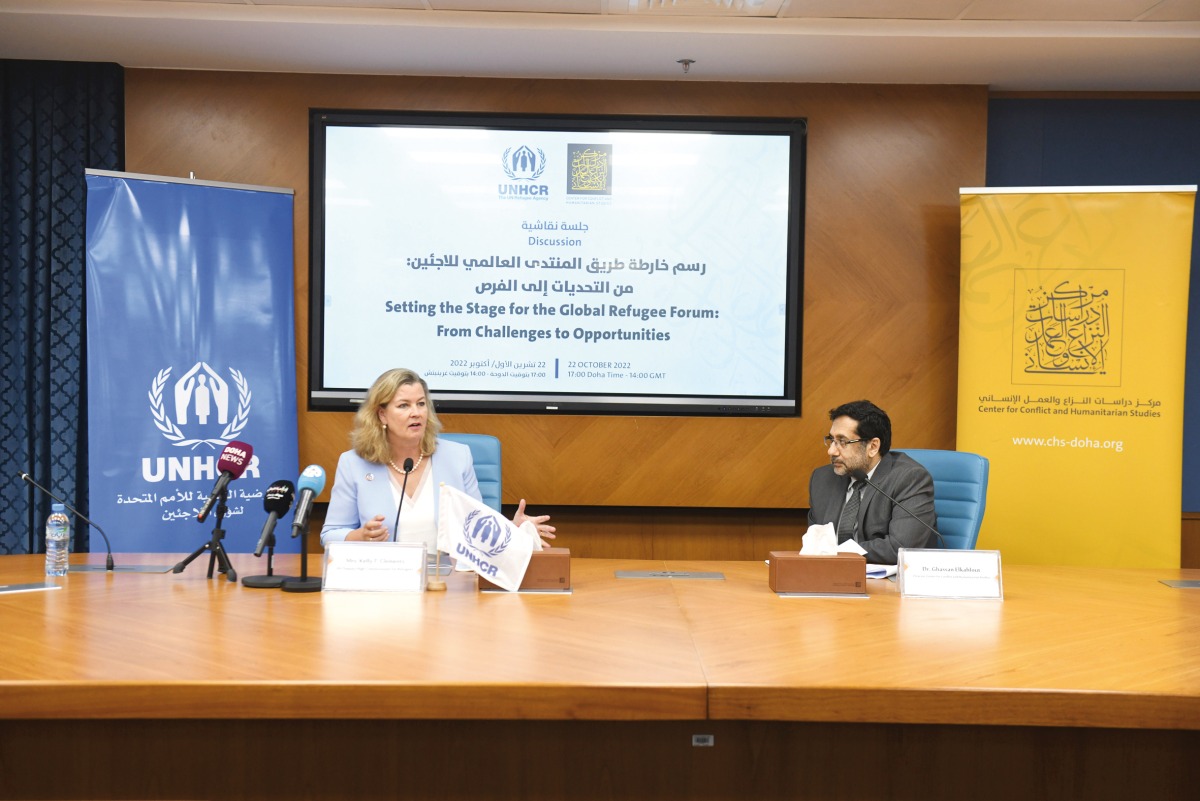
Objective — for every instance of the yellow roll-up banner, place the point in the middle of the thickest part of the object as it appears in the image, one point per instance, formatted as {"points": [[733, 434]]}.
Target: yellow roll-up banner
{"points": [[1072, 339]]}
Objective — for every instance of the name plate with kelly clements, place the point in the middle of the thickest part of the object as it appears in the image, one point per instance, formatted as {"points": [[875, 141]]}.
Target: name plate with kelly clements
{"points": [[374, 567], [946, 573]]}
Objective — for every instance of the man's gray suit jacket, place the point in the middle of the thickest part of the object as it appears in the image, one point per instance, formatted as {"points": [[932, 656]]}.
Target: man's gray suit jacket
{"points": [[883, 528]]}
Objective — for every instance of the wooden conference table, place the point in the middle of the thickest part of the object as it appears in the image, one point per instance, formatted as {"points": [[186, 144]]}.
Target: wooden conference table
{"points": [[1082, 683]]}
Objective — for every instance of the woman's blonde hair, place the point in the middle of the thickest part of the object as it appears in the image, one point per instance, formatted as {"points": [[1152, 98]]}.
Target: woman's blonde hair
{"points": [[369, 439]]}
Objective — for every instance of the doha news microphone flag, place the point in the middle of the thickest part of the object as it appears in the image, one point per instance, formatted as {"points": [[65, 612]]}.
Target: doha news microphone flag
{"points": [[484, 540]]}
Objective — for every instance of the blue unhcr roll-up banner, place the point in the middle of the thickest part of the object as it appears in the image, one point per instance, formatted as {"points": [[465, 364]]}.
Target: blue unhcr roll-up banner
{"points": [[191, 346]]}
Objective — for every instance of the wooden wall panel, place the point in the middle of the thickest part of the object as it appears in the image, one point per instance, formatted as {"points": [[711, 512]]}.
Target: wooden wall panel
{"points": [[662, 533], [1189, 540], [587, 761], [608, 532], [881, 288]]}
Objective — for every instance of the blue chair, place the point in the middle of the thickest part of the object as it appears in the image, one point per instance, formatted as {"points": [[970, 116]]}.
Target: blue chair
{"points": [[960, 482], [485, 452]]}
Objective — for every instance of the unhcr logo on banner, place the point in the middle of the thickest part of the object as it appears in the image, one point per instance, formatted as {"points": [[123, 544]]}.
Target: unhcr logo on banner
{"points": [[198, 402], [189, 412], [170, 374]]}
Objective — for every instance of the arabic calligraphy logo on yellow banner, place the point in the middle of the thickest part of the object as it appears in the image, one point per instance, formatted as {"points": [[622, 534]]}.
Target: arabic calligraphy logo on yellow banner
{"points": [[1068, 327]]}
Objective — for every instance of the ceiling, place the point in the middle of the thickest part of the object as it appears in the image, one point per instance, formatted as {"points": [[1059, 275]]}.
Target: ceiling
{"points": [[1009, 45]]}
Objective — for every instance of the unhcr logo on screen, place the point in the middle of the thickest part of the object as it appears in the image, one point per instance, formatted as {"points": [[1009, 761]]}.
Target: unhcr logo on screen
{"points": [[523, 166]]}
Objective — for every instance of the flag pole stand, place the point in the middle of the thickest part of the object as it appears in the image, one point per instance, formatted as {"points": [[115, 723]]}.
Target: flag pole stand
{"points": [[435, 584]]}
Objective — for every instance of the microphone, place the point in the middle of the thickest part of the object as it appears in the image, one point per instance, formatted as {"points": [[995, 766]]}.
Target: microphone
{"points": [[311, 482], [408, 467], [232, 463], [859, 474], [108, 565], [277, 503]]}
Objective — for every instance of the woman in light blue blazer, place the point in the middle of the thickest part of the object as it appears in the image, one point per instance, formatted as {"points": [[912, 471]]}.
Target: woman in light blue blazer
{"points": [[396, 452]]}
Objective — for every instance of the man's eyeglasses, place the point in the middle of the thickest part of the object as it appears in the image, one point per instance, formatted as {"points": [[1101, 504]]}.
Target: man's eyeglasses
{"points": [[841, 442]]}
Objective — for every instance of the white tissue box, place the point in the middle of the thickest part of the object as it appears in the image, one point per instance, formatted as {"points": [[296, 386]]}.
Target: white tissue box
{"points": [[837, 574]]}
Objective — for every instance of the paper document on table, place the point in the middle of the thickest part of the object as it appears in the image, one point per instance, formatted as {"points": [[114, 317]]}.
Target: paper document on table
{"points": [[31, 587], [850, 546], [880, 571]]}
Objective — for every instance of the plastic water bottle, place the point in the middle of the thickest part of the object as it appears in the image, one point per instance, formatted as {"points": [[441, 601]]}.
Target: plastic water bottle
{"points": [[58, 540]]}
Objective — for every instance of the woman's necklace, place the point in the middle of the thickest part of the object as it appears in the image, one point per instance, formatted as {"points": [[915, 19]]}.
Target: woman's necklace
{"points": [[414, 467]]}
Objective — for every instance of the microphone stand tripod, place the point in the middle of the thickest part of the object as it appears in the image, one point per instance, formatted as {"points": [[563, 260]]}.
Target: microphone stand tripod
{"points": [[216, 551]]}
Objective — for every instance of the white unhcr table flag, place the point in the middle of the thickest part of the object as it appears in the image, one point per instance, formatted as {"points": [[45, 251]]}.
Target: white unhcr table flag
{"points": [[484, 540]]}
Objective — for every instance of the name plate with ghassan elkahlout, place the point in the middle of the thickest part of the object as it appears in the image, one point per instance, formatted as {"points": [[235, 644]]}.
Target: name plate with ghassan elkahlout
{"points": [[946, 573]]}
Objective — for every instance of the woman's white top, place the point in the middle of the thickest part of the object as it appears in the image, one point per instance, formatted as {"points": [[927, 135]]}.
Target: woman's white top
{"points": [[417, 520]]}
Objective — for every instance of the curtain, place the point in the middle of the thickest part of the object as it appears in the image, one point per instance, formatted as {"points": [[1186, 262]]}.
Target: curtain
{"points": [[56, 120]]}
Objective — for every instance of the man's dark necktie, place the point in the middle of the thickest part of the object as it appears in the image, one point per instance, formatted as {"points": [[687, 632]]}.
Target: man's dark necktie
{"points": [[849, 518]]}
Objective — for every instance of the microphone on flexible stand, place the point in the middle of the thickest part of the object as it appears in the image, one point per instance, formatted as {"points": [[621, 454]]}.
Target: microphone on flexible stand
{"points": [[277, 502], [108, 565], [311, 484], [408, 467], [858, 474], [234, 460], [433, 583]]}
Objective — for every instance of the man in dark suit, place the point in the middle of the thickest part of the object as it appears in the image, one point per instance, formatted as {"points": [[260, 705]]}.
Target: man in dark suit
{"points": [[860, 439]]}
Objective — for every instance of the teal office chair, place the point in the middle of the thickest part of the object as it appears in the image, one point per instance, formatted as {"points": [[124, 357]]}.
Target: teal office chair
{"points": [[960, 482], [485, 452]]}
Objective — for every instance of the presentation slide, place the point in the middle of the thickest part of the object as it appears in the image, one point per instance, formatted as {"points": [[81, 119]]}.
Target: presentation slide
{"points": [[652, 263]]}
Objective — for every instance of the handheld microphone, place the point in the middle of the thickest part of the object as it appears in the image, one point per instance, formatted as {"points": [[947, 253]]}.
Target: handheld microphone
{"points": [[277, 503], [311, 483], [861, 475], [108, 564], [408, 468], [232, 463]]}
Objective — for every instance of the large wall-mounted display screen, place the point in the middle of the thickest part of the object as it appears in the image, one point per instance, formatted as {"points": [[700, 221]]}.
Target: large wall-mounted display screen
{"points": [[581, 265]]}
